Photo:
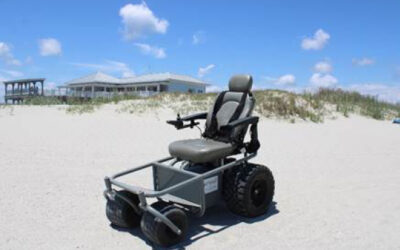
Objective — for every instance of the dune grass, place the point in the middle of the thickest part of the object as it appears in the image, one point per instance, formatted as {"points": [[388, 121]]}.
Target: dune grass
{"points": [[279, 104], [323, 103], [289, 106], [347, 102], [42, 100]]}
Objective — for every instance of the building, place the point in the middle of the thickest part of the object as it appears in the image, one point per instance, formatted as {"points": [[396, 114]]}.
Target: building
{"points": [[102, 85], [18, 90]]}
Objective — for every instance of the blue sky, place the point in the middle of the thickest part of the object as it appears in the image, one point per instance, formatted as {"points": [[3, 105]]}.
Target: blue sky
{"points": [[292, 45]]}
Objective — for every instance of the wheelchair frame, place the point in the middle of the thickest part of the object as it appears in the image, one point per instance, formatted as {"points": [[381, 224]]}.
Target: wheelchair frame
{"points": [[177, 185]]}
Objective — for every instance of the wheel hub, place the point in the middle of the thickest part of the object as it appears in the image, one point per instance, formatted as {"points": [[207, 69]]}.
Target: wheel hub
{"points": [[258, 193]]}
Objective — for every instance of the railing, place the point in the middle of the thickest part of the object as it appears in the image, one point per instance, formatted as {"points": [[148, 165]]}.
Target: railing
{"points": [[21, 93], [84, 94], [103, 94]]}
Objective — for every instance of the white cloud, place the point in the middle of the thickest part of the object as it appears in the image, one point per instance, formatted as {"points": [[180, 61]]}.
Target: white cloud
{"points": [[323, 67], [213, 89], [198, 37], [206, 70], [317, 42], [49, 47], [109, 67], [380, 91], [50, 86], [363, 61], [151, 50], [2, 78], [323, 80], [12, 73], [7, 56], [127, 74], [121, 67], [139, 21], [283, 80], [257, 87]]}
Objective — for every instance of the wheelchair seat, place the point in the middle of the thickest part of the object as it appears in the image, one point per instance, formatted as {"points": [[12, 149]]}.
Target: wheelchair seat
{"points": [[231, 105]]}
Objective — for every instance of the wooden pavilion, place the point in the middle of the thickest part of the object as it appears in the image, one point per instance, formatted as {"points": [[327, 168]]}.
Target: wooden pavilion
{"points": [[18, 90]]}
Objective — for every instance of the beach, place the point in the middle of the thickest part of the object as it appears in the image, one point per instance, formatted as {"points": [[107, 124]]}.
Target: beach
{"points": [[337, 182]]}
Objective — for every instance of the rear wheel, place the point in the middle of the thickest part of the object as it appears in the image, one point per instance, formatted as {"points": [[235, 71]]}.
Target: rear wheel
{"points": [[160, 233], [249, 189], [121, 213]]}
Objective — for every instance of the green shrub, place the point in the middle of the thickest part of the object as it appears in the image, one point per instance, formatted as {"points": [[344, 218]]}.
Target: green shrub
{"points": [[42, 100]]}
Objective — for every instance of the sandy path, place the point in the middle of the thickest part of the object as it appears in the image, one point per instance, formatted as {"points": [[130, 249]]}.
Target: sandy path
{"points": [[337, 182]]}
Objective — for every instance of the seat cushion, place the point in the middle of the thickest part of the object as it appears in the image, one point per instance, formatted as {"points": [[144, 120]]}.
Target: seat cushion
{"points": [[200, 150]]}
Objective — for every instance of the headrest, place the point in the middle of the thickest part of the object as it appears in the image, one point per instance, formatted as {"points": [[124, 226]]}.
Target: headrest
{"points": [[240, 83]]}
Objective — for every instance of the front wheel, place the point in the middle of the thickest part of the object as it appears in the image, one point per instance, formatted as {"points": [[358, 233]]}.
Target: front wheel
{"points": [[122, 214], [160, 233], [249, 189]]}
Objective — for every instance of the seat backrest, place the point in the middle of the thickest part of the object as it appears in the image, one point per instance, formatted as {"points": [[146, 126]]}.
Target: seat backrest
{"points": [[228, 103]]}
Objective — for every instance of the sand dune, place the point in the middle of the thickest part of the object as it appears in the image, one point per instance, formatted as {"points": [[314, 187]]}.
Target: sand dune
{"points": [[337, 183]]}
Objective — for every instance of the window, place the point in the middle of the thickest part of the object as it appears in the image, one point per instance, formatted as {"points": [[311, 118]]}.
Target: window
{"points": [[152, 88], [163, 88]]}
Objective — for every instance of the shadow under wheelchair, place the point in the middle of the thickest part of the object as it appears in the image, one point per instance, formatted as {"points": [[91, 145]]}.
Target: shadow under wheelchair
{"points": [[215, 220]]}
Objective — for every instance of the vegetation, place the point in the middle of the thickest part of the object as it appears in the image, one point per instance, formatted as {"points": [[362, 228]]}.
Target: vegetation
{"points": [[82, 108], [43, 100], [353, 102], [287, 105], [270, 103]]}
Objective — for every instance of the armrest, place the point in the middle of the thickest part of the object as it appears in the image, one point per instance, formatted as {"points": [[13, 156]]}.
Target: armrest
{"points": [[239, 122], [202, 115], [179, 122]]}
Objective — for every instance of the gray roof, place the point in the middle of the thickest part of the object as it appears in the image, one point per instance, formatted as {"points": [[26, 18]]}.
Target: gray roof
{"points": [[160, 77], [26, 80], [97, 77], [100, 77]]}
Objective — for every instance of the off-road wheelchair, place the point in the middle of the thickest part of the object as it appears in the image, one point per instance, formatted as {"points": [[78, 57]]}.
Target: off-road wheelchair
{"points": [[199, 172]]}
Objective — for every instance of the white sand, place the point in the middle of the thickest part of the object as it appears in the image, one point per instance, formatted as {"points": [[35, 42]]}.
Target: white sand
{"points": [[337, 183]]}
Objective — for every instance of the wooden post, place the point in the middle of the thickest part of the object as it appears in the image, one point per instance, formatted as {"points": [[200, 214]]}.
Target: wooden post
{"points": [[92, 91], [41, 82]]}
